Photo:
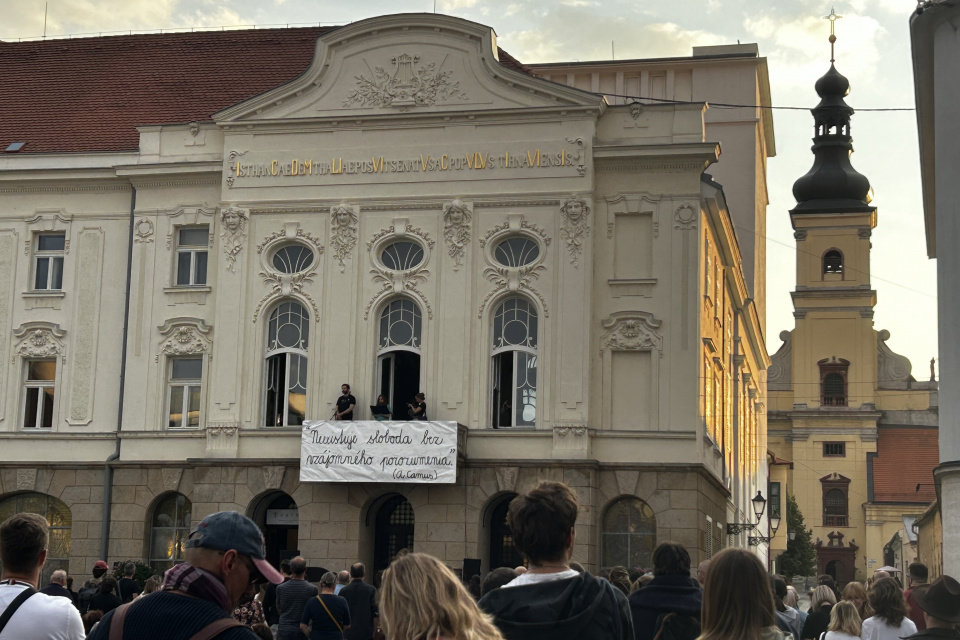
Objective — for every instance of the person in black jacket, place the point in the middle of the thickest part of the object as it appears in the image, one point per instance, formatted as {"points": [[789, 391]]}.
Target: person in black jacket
{"points": [[362, 600], [551, 601], [670, 591]]}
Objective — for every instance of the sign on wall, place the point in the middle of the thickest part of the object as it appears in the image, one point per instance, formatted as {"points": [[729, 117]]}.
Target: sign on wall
{"points": [[371, 451]]}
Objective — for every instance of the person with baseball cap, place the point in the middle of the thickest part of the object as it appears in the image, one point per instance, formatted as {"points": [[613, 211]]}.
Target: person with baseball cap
{"points": [[224, 557], [940, 603], [91, 587]]}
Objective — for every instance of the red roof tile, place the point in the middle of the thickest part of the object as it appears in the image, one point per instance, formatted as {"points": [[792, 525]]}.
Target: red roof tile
{"points": [[905, 458], [90, 94]]}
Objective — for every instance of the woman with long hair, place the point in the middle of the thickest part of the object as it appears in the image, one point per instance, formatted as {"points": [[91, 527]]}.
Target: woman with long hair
{"points": [[421, 599], [889, 620], [819, 617], [844, 622], [737, 599], [856, 593]]}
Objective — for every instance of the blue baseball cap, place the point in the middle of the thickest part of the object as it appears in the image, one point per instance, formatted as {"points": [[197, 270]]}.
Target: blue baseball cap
{"points": [[228, 530]]}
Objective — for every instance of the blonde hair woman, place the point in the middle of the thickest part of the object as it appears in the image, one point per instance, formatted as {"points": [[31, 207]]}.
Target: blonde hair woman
{"points": [[844, 622], [856, 593], [819, 619], [421, 599], [737, 599]]}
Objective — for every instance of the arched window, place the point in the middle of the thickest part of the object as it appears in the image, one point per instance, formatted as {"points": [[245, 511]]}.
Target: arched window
{"points": [[833, 381], [833, 262], [515, 364], [401, 326], [394, 530], [503, 552], [288, 333], [629, 534], [58, 518], [169, 527]]}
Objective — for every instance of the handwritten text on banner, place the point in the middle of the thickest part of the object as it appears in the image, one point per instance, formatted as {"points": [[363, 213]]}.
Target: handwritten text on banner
{"points": [[371, 451]]}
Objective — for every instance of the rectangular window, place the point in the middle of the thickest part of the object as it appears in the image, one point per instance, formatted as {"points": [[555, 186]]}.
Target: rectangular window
{"points": [[183, 395], [775, 499], [48, 263], [38, 394], [192, 256], [834, 449]]}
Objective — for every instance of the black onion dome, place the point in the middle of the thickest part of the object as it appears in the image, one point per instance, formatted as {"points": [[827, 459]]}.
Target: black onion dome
{"points": [[832, 184]]}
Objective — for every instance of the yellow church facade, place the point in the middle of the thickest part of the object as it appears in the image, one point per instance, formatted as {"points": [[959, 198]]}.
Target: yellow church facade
{"points": [[860, 430]]}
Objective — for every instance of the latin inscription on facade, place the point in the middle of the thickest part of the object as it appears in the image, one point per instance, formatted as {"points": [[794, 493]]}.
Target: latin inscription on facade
{"points": [[559, 161]]}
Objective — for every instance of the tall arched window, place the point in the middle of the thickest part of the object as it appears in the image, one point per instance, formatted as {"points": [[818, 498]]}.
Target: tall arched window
{"points": [[833, 262], [833, 382], [515, 364], [629, 534], [401, 326], [169, 527], [288, 333], [58, 518]]}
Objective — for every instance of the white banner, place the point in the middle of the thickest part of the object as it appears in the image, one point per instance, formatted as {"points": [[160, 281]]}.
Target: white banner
{"points": [[372, 451]]}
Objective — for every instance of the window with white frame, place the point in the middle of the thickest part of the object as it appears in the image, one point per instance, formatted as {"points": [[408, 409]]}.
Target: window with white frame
{"points": [[288, 332], [183, 392], [515, 364], [192, 256], [48, 263], [38, 394]]}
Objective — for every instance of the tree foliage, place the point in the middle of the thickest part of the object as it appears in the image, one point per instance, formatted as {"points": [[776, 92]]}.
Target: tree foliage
{"points": [[800, 558]]}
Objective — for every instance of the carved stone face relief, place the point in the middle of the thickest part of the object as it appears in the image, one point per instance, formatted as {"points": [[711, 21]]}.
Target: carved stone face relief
{"points": [[576, 228], [344, 222], [233, 226], [456, 231]]}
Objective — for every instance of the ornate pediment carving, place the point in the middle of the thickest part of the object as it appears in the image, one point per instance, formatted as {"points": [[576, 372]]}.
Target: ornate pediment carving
{"points": [[39, 340], [631, 331], [893, 369], [184, 337]]}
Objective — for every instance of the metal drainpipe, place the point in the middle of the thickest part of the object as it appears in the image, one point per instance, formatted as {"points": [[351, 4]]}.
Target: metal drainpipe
{"points": [[107, 468]]}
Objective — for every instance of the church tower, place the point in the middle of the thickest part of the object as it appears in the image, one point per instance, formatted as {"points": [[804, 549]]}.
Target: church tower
{"points": [[841, 400]]}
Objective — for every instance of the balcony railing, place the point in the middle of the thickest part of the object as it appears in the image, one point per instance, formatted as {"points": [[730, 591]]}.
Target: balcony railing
{"points": [[834, 401], [835, 521]]}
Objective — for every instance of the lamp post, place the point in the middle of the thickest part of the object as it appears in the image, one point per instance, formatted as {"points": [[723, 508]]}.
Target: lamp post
{"points": [[759, 504]]}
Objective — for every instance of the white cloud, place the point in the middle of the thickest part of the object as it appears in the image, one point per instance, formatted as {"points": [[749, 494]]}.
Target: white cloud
{"points": [[566, 33], [447, 6]]}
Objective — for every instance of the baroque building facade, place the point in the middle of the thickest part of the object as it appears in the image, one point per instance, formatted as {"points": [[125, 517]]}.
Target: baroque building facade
{"points": [[859, 428], [399, 205]]}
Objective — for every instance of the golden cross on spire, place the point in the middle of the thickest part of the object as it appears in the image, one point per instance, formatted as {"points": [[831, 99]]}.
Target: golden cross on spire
{"points": [[833, 17]]}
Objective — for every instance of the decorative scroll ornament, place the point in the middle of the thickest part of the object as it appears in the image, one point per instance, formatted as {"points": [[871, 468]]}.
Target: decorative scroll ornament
{"points": [[285, 284], [780, 373], [576, 227], [456, 230], [398, 281], [412, 84], [143, 231], [40, 340], [232, 156], [343, 232], [893, 369], [233, 227], [184, 337], [685, 217], [581, 154], [631, 331]]}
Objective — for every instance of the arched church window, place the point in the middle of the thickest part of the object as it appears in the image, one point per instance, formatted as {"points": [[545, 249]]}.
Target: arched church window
{"points": [[832, 262], [515, 364], [833, 382], [629, 534], [288, 332], [169, 527]]}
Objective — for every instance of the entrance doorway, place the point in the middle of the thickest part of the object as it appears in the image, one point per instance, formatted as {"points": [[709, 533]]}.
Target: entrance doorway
{"points": [[400, 380], [277, 516], [393, 531], [503, 553]]}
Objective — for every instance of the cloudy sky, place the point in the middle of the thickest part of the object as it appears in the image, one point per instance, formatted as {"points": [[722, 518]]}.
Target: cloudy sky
{"points": [[873, 51]]}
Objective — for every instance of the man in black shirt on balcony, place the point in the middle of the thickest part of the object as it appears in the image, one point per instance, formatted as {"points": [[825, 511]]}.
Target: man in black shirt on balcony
{"points": [[345, 404]]}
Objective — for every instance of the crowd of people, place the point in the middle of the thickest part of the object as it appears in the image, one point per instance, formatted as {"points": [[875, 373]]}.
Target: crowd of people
{"points": [[226, 589]]}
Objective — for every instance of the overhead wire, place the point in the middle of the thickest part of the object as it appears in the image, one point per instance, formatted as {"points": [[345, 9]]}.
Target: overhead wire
{"points": [[733, 105]]}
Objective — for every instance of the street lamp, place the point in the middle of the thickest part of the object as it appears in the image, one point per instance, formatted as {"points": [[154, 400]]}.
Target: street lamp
{"points": [[774, 524], [739, 527], [792, 534]]}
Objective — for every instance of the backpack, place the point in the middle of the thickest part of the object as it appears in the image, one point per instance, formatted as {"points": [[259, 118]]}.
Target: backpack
{"points": [[86, 592], [672, 626]]}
